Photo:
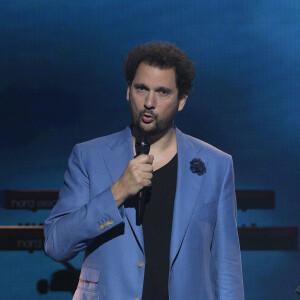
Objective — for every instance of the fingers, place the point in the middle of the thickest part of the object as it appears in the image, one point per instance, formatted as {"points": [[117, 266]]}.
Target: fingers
{"points": [[146, 183], [145, 159], [142, 163], [137, 175], [147, 174]]}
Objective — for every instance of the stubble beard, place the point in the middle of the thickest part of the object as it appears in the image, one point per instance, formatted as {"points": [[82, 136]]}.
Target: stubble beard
{"points": [[156, 128]]}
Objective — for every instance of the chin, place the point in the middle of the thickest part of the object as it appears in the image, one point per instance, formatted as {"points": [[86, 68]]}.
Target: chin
{"points": [[146, 127]]}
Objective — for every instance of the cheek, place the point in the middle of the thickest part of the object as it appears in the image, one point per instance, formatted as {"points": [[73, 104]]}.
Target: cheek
{"points": [[169, 110], [134, 107]]}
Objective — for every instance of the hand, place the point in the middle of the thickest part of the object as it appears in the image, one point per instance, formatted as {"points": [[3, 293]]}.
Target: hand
{"points": [[137, 175]]}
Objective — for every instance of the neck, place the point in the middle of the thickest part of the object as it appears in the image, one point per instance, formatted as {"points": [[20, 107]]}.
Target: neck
{"points": [[161, 142]]}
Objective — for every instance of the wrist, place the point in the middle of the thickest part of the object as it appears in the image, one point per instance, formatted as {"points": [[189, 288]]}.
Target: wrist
{"points": [[117, 193]]}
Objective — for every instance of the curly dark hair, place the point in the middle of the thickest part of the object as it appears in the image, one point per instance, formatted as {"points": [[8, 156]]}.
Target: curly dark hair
{"points": [[164, 55]]}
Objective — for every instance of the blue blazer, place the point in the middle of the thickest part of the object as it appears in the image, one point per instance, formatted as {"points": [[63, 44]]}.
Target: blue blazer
{"points": [[205, 260]]}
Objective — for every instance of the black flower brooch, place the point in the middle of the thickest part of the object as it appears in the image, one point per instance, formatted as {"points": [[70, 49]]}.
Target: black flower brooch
{"points": [[198, 166]]}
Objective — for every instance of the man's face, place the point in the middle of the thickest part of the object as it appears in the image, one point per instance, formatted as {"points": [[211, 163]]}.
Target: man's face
{"points": [[153, 99]]}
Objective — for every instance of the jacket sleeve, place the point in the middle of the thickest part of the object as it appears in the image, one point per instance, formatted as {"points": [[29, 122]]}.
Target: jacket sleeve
{"points": [[77, 219], [226, 254]]}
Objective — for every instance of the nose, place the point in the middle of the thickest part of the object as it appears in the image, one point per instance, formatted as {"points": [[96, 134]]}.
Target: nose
{"points": [[150, 102]]}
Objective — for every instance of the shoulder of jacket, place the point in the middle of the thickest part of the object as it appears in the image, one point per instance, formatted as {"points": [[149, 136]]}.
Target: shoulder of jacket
{"points": [[209, 149], [101, 142]]}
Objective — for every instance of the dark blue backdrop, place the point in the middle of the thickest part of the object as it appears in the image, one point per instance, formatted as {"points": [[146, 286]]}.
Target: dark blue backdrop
{"points": [[61, 82]]}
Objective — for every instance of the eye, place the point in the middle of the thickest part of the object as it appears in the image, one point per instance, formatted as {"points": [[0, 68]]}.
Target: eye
{"points": [[140, 89], [164, 92]]}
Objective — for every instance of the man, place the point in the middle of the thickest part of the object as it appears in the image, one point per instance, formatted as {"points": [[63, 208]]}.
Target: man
{"points": [[187, 245]]}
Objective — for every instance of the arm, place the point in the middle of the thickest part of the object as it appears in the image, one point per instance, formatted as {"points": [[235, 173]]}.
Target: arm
{"points": [[226, 255], [76, 219]]}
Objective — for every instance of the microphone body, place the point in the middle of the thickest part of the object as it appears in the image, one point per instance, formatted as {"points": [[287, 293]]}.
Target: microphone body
{"points": [[142, 146]]}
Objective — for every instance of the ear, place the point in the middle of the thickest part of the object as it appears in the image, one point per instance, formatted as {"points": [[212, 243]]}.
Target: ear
{"points": [[182, 102], [128, 93]]}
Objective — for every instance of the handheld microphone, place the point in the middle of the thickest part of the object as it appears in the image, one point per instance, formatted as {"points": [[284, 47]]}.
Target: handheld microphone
{"points": [[142, 146]]}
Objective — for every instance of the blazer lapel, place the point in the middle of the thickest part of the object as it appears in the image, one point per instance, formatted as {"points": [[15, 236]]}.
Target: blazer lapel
{"points": [[187, 191], [116, 157], [120, 151]]}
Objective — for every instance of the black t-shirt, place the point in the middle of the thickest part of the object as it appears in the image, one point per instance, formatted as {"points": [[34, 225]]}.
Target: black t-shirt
{"points": [[157, 226]]}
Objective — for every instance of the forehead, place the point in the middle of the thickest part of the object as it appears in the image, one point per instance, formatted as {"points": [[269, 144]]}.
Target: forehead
{"points": [[147, 74]]}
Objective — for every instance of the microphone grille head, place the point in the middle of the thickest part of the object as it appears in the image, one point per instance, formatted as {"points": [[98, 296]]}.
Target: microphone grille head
{"points": [[142, 143]]}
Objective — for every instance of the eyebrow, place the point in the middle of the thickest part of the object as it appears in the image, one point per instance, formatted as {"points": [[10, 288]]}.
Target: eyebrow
{"points": [[162, 88], [143, 86]]}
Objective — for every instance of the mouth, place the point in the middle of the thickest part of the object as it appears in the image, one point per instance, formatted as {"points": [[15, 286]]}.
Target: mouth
{"points": [[147, 118]]}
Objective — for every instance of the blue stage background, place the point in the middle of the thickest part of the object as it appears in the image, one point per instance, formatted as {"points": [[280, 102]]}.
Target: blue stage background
{"points": [[62, 83]]}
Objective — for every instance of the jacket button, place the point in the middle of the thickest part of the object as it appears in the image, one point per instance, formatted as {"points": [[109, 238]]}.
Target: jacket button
{"points": [[101, 227], [136, 299], [141, 264], [110, 222]]}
